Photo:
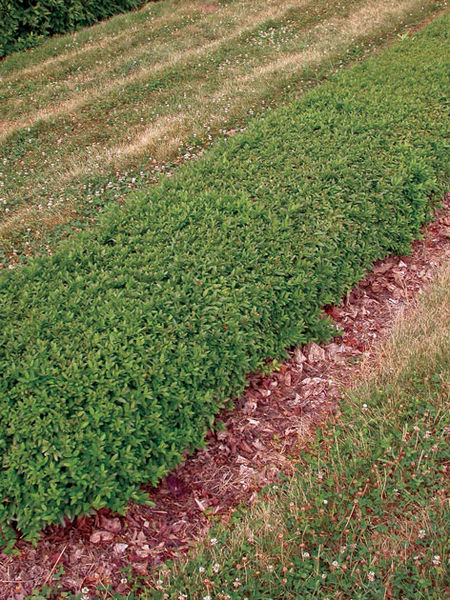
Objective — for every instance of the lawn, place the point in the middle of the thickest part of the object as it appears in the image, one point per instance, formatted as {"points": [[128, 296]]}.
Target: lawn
{"points": [[88, 116], [118, 350]]}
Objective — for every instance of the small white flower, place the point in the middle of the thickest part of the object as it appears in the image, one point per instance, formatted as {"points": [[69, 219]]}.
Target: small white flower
{"points": [[207, 597], [270, 568], [305, 555], [421, 533], [364, 406], [216, 568], [371, 576], [325, 501], [124, 580], [213, 541], [85, 590], [436, 559], [201, 569], [335, 564]]}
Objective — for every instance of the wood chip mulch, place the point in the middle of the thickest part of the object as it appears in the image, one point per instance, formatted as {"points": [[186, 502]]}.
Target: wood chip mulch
{"points": [[263, 433]]}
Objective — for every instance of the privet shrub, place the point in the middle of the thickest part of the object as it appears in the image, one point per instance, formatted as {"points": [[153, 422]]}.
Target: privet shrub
{"points": [[25, 22], [117, 351]]}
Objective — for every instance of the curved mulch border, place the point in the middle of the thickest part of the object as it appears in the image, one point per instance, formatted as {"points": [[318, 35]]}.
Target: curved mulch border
{"points": [[261, 436]]}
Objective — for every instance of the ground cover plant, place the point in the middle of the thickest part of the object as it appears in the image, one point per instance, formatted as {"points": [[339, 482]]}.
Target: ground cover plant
{"points": [[366, 515], [85, 117], [117, 351], [24, 24]]}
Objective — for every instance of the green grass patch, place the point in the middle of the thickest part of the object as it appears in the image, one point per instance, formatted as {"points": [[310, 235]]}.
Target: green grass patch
{"points": [[117, 351]]}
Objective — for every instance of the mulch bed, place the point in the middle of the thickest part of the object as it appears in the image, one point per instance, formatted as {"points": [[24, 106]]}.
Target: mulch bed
{"points": [[262, 435]]}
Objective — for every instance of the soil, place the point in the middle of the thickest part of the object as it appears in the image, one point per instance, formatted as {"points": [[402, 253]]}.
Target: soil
{"points": [[261, 437]]}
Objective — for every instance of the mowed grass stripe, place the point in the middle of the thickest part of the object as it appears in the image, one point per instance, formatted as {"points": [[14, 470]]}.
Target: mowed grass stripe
{"points": [[117, 351], [261, 80], [227, 57], [114, 69], [59, 173]]}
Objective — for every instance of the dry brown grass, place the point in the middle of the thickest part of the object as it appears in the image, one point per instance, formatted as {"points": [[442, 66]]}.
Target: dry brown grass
{"points": [[420, 332]]}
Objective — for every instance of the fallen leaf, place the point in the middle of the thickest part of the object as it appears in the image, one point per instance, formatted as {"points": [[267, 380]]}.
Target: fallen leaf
{"points": [[120, 548], [299, 357], [112, 525], [314, 353], [101, 536]]}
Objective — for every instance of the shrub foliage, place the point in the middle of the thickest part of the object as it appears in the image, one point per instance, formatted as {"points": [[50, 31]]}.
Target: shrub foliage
{"points": [[117, 351], [25, 22]]}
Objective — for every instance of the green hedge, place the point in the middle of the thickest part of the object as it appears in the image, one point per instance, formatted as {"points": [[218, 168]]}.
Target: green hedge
{"points": [[23, 23], [117, 351]]}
